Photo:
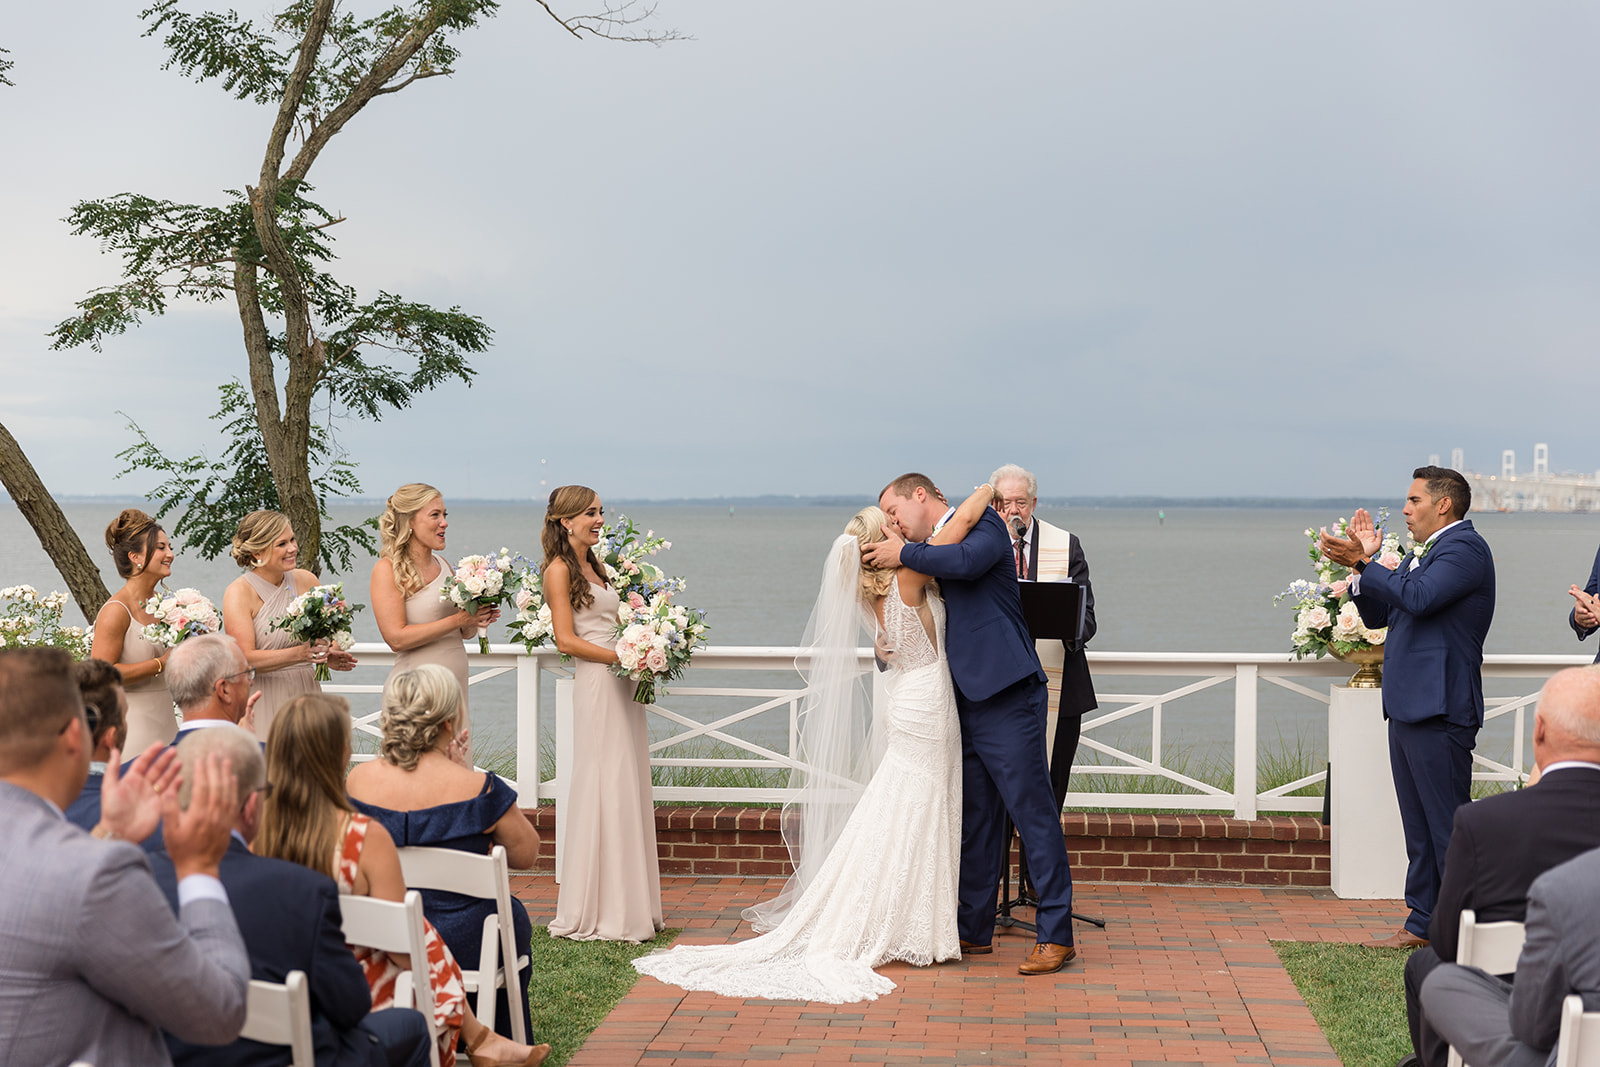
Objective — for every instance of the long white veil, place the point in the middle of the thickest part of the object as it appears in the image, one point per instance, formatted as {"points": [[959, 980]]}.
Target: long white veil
{"points": [[837, 749]]}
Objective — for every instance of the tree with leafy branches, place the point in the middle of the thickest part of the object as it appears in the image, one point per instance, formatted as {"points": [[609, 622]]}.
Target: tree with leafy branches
{"points": [[315, 351]]}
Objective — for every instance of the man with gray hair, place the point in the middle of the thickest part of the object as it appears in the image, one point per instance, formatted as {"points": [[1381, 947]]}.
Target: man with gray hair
{"points": [[1500, 844], [290, 919], [1046, 553], [209, 679]]}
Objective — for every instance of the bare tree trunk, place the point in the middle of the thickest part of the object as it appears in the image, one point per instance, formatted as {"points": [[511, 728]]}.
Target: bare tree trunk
{"points": [[61, 542]]}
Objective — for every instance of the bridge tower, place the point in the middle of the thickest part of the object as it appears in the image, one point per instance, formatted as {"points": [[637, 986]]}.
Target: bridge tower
{"points": [[1433, 459], [1458, 460], [1541, 461], [1508, 464]]}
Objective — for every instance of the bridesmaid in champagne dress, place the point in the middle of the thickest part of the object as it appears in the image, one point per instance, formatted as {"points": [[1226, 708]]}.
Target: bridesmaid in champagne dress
{"points": [[406, 581], [611, 876], [265, 546], [143, 556]]}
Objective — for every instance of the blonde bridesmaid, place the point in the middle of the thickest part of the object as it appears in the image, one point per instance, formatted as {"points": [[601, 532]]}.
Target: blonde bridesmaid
{"points": [[406, 581], [143, 555], [611, 877], [265, 546]]}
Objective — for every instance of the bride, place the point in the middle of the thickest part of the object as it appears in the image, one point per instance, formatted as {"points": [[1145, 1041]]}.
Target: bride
{"points": [[875, 831]]}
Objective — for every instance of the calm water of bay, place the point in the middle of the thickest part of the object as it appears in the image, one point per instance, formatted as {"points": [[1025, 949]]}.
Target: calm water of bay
{"points": [[1201, 581]]}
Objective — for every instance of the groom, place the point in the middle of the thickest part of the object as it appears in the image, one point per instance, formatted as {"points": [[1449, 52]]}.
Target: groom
{"points": [[1002, 703]]}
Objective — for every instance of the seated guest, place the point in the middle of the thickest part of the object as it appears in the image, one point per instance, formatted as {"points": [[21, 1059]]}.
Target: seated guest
{"points": [[290, 920], [1500, 844], [106, 707], [93, 965], [1495, 1023], [421, 793], [308, 820], [210, 682]]}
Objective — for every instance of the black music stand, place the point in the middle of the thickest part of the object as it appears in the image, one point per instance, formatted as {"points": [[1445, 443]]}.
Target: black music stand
{"points": [[1054, 611]]}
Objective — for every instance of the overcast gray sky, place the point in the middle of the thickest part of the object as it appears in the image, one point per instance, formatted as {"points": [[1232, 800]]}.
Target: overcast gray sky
{"points": [[1178, 248]]}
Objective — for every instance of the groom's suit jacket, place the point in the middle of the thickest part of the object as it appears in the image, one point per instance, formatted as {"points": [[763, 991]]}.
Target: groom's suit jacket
{"points": [[986, 638], [1438, 615]]}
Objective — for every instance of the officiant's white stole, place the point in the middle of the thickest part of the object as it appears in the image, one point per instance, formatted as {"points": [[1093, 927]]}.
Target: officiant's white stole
{"points": [[1055, 550]]}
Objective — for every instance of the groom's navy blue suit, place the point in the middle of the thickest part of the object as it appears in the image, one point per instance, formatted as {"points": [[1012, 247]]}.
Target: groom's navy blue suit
{"points": [[1438, 614], [1002, 702]]}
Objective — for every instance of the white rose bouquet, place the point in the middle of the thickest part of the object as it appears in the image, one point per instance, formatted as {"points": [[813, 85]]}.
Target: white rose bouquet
{"points": [[624, 554], [531, 627], [321, 614], [179, 616], [1326, 620], [655, 641], [482, 582], [30, 619]]}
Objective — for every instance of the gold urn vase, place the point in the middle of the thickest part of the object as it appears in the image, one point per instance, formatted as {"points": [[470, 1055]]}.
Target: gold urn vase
{"points": [[1370, 660]]}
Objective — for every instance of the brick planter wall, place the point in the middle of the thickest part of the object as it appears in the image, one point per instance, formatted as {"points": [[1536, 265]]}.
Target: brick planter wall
{"points": [[1123, 847]]}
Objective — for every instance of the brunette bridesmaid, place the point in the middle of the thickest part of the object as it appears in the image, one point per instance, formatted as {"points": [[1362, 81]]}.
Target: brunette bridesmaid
{"points": [[143, 556]]}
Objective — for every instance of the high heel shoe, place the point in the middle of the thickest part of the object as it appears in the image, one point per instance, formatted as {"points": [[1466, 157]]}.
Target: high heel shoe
{"points": [[536, 1055]]}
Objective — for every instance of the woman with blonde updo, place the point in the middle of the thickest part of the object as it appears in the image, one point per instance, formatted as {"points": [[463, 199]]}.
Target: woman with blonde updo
{"points": [[265, 546], [418, 791], [611, 877], [406, 582], [143, 556], [307, 819]]}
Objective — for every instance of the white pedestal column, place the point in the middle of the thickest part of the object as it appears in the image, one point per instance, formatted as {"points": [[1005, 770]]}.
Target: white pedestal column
{"points": [[1369, 847]]}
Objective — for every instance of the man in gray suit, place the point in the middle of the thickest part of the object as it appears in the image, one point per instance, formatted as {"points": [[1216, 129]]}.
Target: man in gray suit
{"points": [[1493, 1023], [93, 964]]}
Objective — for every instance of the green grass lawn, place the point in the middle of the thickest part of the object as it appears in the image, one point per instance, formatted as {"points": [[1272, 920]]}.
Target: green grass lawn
{"points": [[575, 985], [1357, 996]]}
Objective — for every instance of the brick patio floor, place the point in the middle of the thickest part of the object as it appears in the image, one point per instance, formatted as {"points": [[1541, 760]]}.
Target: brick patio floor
{"points": [[1180, 975]]}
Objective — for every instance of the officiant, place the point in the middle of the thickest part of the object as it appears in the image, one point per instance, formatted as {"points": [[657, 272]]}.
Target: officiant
{"points": [[1046, 553]]}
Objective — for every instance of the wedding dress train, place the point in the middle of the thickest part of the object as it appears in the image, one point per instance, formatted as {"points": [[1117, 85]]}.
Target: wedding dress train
{"points": [[887, 888]]}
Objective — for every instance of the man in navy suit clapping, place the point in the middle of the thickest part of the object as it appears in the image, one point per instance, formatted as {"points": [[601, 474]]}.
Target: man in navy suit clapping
{"points": [[1437, 605]]}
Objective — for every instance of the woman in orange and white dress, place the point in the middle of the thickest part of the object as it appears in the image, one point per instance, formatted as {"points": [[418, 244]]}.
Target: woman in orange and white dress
{"points": [[308, 819]]}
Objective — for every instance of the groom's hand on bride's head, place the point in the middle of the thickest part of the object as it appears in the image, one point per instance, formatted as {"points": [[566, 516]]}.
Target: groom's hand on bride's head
{"points": [[883, 554]]}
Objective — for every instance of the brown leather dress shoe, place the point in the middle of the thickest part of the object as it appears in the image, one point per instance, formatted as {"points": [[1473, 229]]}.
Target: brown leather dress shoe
{"points": [[1401, 938], [1047, 958], [970, 949]]}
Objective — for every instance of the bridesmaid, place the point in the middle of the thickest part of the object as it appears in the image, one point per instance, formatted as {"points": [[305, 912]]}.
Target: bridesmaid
{"points": [[413, 619], [143, 556], [265, 546], [611, 877]]}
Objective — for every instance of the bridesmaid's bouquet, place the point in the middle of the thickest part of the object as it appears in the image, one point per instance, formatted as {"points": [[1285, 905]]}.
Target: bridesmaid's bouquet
{"points": [[482, 582], [655, 641], [532, 626], [624, 554], [179, 616], [321, 614]]}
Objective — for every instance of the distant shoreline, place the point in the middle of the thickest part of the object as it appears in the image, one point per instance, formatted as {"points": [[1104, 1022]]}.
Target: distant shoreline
{"points": [[844, 500]]}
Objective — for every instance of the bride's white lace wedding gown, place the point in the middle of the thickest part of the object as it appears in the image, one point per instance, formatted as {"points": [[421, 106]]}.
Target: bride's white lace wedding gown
{"points": [[887, 889]]}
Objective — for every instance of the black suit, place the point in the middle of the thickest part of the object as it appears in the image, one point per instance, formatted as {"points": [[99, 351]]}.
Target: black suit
{"points": [[1498, 846], [289, 916], [1077, 687]]}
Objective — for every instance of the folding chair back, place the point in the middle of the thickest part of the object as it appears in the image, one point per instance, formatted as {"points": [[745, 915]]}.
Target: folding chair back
{"points": [[1579, 1043], [279, 1013], [396, 928], [487, 878], [1491, 947]]}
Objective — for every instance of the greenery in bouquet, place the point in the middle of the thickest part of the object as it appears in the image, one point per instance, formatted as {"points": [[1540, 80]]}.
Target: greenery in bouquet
{"points": [[480, 582], [179, 616], [321, 614], [30, 619], [655, 641], [1326, 619]]}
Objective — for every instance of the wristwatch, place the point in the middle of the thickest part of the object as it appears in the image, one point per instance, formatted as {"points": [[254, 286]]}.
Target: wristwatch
{"points": [[1360, 566]]}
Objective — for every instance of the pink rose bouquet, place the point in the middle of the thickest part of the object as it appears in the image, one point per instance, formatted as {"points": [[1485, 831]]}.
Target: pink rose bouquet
{"points": [[179, 616], [655, 641], [1326, 619]]}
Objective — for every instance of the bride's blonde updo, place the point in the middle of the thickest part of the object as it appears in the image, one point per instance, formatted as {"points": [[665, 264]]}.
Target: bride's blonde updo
{"points": [[866, 526], [417, 705], [394, 527], [257, 532]]}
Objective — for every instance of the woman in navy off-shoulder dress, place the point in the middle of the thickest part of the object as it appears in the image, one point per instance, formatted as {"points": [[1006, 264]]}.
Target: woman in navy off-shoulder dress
{"points": [[418, 767]]}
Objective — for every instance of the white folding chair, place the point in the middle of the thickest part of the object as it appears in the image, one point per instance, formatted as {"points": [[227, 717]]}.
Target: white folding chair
{"points": [[1579, 1043], [488, 878], [280, 1014], [1491, 947], [396, 928]]}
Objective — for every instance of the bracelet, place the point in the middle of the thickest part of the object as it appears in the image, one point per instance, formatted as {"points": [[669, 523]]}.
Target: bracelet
{"points": [[160, 666], [104, 833]]}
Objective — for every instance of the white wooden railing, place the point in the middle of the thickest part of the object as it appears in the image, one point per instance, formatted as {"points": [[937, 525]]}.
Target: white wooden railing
{"points": [[1190, 673]]}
